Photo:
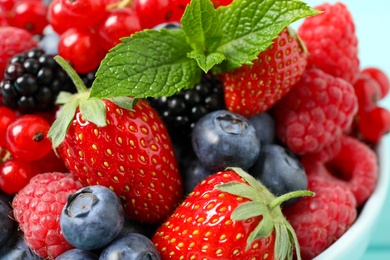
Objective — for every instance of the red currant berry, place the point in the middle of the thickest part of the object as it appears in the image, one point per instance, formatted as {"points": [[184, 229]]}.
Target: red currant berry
{"points": [[80, 47], [7, 116], [85, 13], [155, 12], [26, 138], [15, 174], [50, 163], [374, 124], [58, 17], [117, 24], [368, 92], [7, 5], [30, 15], [380, 77]]}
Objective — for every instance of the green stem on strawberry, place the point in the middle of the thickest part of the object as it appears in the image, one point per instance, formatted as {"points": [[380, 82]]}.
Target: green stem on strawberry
{"points": [[264, 203], [92, 109]]}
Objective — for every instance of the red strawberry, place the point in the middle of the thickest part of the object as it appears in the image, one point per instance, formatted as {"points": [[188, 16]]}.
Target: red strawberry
{"points": [[37, 208], [13, 41], [252, 89], [317, 111], [128, 151], [320, 220], [331, 41], [228, 216]]}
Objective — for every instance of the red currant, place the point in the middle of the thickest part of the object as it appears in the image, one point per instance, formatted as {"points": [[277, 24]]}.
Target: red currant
{"points": [[117, 24], [380, 77], [368, 92], [85, 13], [374, 124], [57, 17], [30, 15], [15, 174], [26, 138], [50, 163], [7, 116], [155, 12], [80, 47]]}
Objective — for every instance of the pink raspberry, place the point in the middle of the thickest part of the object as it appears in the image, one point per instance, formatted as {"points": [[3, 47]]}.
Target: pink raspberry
{"points": [[37, 209], [320, 220], [331, 41], [13, 41], [317, 111], [357, 165]]}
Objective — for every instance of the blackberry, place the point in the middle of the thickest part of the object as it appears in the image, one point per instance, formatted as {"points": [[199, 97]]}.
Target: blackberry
{"points": [[33, 80], [181, 111]]}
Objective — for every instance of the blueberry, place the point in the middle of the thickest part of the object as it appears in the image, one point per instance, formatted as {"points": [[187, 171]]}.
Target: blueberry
{"points": [[7, 224], [264, 125], [77, 254], [130, 226], [133, 246], [279, 170], [16, 248], [223, 139], [193, 174], [92, 217]]}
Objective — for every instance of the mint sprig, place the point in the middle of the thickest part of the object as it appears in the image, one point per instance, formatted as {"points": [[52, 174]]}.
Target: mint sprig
{"points": [[155, 63]]}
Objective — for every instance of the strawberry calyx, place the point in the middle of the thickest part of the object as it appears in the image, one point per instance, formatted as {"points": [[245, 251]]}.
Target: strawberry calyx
{"points": [[264, 203], [92, 109]]}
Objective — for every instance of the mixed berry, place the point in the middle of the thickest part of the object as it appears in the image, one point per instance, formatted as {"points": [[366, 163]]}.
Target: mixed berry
{"points": [[144, 129]]}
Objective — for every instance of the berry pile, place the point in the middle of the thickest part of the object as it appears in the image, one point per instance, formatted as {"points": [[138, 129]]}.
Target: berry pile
{"points": [[188, 140]]}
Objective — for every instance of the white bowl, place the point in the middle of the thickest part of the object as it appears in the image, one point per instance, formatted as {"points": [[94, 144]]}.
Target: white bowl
{"points": [[354, 243]]}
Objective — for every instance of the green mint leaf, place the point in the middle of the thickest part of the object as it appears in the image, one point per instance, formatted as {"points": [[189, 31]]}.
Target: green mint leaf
{"points": [[124, 102], [249, 26], [201, 25], [150, 63], [207, 62]]}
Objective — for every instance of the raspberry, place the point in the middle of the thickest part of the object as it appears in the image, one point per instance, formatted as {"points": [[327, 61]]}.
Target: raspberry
{"points": [[320, 220], [356, 165], [37, 209], [13, 40], [331, 41], [317, 111]]}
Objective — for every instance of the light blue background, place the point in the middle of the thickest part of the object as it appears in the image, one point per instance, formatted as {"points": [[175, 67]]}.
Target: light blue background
{"points": [[372, 20]]}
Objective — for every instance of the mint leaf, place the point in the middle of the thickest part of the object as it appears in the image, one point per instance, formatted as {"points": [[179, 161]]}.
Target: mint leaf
{"points": [[150, 63], [249, 26], [201, 24], [207, 62]]}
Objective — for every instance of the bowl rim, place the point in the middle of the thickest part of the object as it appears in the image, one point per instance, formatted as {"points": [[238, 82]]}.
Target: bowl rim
{"points": [[370, 211]]}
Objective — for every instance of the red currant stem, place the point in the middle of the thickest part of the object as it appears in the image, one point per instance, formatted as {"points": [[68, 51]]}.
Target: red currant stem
{"points": [[293, 194], [6, 156], [77, 81], [120, 4]]}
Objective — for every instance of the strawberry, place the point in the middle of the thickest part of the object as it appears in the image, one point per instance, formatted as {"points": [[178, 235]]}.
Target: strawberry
{"points": [[128, 151], [252, 89], [228, 216]]}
